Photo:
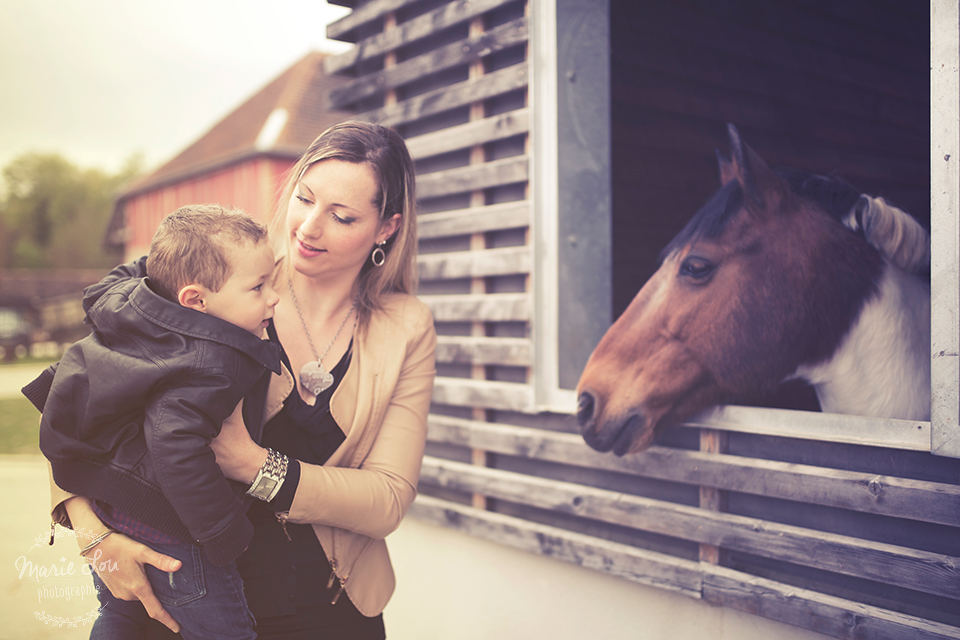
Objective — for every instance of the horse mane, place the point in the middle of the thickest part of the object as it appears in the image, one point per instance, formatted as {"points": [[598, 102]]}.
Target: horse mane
{"points": [[831, 194], [894, 233], [711, 220]]}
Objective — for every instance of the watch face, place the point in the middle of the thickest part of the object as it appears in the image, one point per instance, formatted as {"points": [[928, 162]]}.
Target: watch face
{"points": [[266, 486]]}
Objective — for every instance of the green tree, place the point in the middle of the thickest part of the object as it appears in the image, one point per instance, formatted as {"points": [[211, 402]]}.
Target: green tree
{"points": [[54, 214]]}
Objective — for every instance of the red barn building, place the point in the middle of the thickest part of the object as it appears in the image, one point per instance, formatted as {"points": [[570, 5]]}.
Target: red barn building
{"points": [[240, 162]]}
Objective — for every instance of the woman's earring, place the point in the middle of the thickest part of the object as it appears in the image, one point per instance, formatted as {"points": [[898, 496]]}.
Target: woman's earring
{"points": [[378, 257]]}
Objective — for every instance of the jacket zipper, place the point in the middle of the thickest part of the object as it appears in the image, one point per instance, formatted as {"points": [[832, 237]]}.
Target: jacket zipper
{"points": [[333, 551], [334, 577], [333, 569], [333, 564], [283, 525]]}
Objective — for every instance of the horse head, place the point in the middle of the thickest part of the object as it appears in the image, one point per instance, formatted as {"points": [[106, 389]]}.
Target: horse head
{"points": [[761, 281]]}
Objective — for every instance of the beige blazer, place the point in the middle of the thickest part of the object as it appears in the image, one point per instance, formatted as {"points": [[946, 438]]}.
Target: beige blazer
{"points": [[363, 491]]}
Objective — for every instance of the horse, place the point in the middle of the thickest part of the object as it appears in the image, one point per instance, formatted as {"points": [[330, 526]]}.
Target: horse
{"points": [[781, 275]]}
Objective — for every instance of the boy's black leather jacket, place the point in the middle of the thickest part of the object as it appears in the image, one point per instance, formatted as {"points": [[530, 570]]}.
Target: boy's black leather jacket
{"points": [[133, 406]]}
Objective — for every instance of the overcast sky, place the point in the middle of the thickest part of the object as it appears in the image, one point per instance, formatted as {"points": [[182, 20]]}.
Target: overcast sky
{"points": [[99, 80]]}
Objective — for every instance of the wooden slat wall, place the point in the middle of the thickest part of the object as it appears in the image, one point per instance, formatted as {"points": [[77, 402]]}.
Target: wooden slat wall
{"points": [[912, 552], [851, 540], [459, 170]]}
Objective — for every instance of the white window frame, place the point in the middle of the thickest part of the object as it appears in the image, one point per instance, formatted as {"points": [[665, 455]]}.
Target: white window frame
{"points": [[944, 227], [545, 196], [587, 239], [941, 435]]}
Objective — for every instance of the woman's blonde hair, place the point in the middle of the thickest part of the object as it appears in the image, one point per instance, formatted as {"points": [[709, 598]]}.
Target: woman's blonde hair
{"points": [[385, 152]]}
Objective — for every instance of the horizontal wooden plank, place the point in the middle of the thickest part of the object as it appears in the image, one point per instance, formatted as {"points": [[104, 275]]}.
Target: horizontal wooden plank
{"points": [[496, 217], [488, 394], [488, 307], [829, 615], [451, 97], [637, 565], [908, 435], [806, 609], [869, 493], [470, 134], [473, 177], [923, 571], [912, 435], [363, 15], [483, 350], [452, 55], [474, 264], [424, 26]]}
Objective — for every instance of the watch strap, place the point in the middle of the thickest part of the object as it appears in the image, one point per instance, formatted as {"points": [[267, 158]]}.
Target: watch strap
{"points": [[270, 477]]}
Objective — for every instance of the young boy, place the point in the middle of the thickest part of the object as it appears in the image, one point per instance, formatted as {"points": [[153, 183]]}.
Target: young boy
{"points": [[133, 406]]}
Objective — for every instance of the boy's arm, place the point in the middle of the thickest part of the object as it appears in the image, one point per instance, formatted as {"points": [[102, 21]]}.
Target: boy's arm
{"points": [[38, 390], [180, 423]]}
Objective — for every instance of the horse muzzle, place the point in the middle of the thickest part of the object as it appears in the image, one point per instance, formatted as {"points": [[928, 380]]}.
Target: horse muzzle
{"points": [[622, 435]]}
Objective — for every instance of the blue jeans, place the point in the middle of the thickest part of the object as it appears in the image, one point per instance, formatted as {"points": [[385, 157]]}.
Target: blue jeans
{"points": [[206, 600]]}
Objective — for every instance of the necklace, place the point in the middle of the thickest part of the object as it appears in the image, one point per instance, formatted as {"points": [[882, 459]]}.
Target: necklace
{"points": [[313, 377]]}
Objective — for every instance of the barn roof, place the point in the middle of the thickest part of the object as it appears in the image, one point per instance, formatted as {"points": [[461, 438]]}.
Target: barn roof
{"points": [[281, 119]]}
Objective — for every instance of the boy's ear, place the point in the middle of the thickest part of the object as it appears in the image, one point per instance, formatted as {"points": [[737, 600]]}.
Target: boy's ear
{"points": [[191, 296]]}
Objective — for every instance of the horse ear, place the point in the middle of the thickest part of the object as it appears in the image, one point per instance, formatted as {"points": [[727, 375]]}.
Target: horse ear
{"points": [[761, 185], [727, 171]]}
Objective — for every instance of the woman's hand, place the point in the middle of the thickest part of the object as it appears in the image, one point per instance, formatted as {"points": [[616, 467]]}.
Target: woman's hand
{"points": [[119, 560], [239, 457]]}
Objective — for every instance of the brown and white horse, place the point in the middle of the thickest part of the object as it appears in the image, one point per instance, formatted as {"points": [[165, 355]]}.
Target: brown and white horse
{"points": [[780, 275]]}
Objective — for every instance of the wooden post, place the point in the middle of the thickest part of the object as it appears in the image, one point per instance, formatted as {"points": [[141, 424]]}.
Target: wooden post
{"points": [[478, 242], [712, 441], [528, 151], [390, 59]]}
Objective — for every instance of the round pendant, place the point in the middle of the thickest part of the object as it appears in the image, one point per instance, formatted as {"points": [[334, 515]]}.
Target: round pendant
{"points": [[314, 378]]}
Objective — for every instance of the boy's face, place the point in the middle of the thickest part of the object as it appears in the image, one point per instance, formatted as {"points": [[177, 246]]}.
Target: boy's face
{"points": [[247, 298]]}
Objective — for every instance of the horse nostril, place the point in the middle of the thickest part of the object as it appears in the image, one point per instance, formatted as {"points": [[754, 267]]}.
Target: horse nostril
{"points": [[585, 408]]}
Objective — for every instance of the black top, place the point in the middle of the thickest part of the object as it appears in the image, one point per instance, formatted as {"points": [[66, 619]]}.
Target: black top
{"points": [[285, 578], [284, 570]]}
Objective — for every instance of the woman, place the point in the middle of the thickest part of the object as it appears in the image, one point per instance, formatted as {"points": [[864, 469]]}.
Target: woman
{"points": [[345, 433]]}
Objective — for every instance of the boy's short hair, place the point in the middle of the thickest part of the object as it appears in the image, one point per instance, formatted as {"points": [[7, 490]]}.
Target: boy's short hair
{"points": [[190, 247]]}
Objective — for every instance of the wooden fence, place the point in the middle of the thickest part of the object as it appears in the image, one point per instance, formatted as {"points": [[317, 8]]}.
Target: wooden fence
{"points": [[813, 525]]}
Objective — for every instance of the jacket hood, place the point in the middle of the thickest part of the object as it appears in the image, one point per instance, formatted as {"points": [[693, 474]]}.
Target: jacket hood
{"points": [[124, 301], [121, 274]]}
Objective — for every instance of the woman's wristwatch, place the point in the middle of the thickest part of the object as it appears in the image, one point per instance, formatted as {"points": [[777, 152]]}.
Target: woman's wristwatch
{"points": [[270, 477]]}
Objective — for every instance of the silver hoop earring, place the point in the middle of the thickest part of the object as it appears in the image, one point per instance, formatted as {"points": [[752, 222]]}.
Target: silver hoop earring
{"points": [[379, 256]]}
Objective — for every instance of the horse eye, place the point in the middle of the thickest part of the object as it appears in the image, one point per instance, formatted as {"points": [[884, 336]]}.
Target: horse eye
{"points": [[698, 268]]}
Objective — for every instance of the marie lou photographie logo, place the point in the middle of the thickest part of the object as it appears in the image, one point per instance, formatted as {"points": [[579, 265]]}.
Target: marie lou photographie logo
{"points": [[62, 580]]}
